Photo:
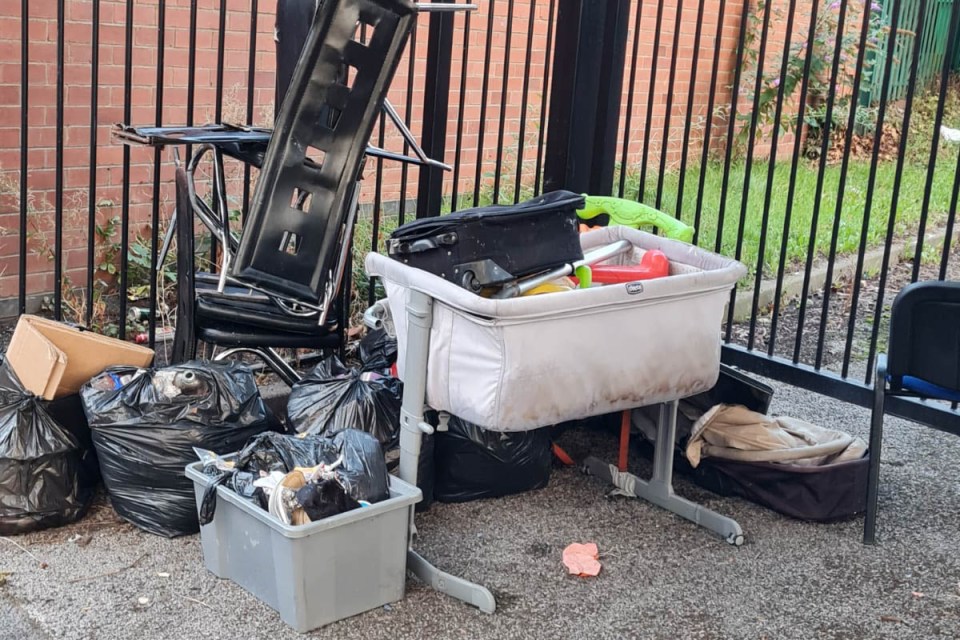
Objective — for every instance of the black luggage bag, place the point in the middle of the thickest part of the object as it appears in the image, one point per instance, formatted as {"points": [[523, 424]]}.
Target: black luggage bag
{"points": [[489, 246]]}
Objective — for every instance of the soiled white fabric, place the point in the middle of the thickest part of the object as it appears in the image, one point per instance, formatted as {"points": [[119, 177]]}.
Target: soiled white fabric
{"points": [[523, 363], [737, 433]]}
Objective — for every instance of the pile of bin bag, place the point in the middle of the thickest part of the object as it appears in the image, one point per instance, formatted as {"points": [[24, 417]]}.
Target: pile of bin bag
{"points": [[48, 470], [147, 422], [300, 479]]}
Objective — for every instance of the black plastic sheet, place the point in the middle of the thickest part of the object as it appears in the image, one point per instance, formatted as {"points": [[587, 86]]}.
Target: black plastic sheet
{"points": [[474, 463], [47, 477], [146, 427], [334, 397]]}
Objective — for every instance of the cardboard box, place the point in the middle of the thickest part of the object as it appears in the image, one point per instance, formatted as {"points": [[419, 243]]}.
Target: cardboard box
{"points": [[53, 360]]}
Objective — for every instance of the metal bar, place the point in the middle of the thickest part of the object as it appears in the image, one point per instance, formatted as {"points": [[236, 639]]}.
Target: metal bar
{"points": [[377, 209], [441, 7], [221, 52], [665, 145], [705, 155], [651, 93], [951, 219], [458, 145], [747, 169], [771, 173], [688, 120], [831, 385], [191, 71], [125, 197], [732, 118], [628, 118], [485, 85], [524, 94], [934, 145], [402, 207], [841, 187], [58, 187], [818, 192], [897, 177], [92, 183], [871, 183], [609, 94], [792, 184], [251, 81], [24, 135], [155, 213], [498, 165], [436, 102], [543, 99]]}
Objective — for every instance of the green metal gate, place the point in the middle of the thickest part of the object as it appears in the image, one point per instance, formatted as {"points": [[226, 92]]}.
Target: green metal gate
{"points": [[934, 46]]}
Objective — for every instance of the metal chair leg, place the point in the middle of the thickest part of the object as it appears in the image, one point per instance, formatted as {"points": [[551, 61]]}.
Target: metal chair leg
{"points": [[270, 357], [876, 438]]}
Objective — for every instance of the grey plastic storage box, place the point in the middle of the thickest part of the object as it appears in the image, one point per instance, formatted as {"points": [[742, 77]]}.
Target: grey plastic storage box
{"points": [[317, 573]]}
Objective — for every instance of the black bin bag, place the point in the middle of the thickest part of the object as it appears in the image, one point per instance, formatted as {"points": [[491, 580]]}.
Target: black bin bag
{"points": [[362, 473], [334, 397], [47, 476], [146, 423], [473, 463]]}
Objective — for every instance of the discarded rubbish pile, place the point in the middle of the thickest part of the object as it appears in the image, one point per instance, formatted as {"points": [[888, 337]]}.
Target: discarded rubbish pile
{"points": [[47, 476], [146, 423], [300, 479]]}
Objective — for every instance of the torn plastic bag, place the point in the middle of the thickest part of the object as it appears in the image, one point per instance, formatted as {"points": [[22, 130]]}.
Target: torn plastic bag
{"points": [[363, 472], [334, 397], [46, 477], [474, 463], [378, 350], [146, 423]]}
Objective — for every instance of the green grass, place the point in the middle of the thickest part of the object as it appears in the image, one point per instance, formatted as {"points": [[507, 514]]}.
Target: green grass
{"points": [[908, 206]]}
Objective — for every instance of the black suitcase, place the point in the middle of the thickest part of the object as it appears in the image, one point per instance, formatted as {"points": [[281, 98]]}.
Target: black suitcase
{"points": [[493, 245]]}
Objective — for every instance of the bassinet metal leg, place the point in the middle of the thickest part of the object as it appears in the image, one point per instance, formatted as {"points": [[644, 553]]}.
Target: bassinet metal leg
{"points": [[412, 427], [659, 489]]}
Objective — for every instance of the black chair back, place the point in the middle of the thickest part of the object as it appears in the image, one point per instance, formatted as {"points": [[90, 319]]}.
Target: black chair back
{"points": [[925, 335]]}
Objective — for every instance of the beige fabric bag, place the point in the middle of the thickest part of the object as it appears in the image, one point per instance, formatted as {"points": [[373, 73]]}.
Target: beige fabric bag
{"points": [[734, 432]]}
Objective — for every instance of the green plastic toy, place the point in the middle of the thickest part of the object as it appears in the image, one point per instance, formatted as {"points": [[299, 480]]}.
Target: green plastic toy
{"points": [[632, 214]]}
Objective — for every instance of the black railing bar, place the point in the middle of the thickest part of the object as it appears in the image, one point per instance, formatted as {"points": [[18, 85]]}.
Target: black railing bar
{"points": [[665, 145], [748, 166], [871, 184], [825, 131], [651, 93], [498, 163], [792, 182], [711, 100], [948, 60], [631, 91], [771, 172], [897, 178], [841, 186], [543, 98], [485, 86], [524, 94], [688, 121]]}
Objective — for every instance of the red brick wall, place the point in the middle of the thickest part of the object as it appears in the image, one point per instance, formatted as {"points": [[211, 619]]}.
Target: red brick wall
{"points": [[41, 134]]}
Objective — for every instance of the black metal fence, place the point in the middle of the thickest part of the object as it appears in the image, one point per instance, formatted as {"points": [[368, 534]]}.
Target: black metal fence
{"points": [[778, 128]]}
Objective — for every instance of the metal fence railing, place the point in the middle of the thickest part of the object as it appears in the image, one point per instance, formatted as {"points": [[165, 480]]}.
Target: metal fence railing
{"points": [[741, 117]]}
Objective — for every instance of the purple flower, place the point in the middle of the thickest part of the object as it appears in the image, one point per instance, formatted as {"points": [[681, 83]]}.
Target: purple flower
{"points": [[875, 7], [835, 5], [776, 82]]}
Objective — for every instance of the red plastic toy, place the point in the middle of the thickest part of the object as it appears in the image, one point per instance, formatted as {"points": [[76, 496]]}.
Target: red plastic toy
{"points": [[654, 264]]}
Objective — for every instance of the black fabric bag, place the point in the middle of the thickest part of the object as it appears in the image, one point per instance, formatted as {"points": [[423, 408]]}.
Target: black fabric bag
{"points": [[47, 476], [146, 423], [474, 463], [492, 245], [819, 494]]}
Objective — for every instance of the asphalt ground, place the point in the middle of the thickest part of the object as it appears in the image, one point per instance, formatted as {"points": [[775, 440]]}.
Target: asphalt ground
{"points": [[662, 576]]}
